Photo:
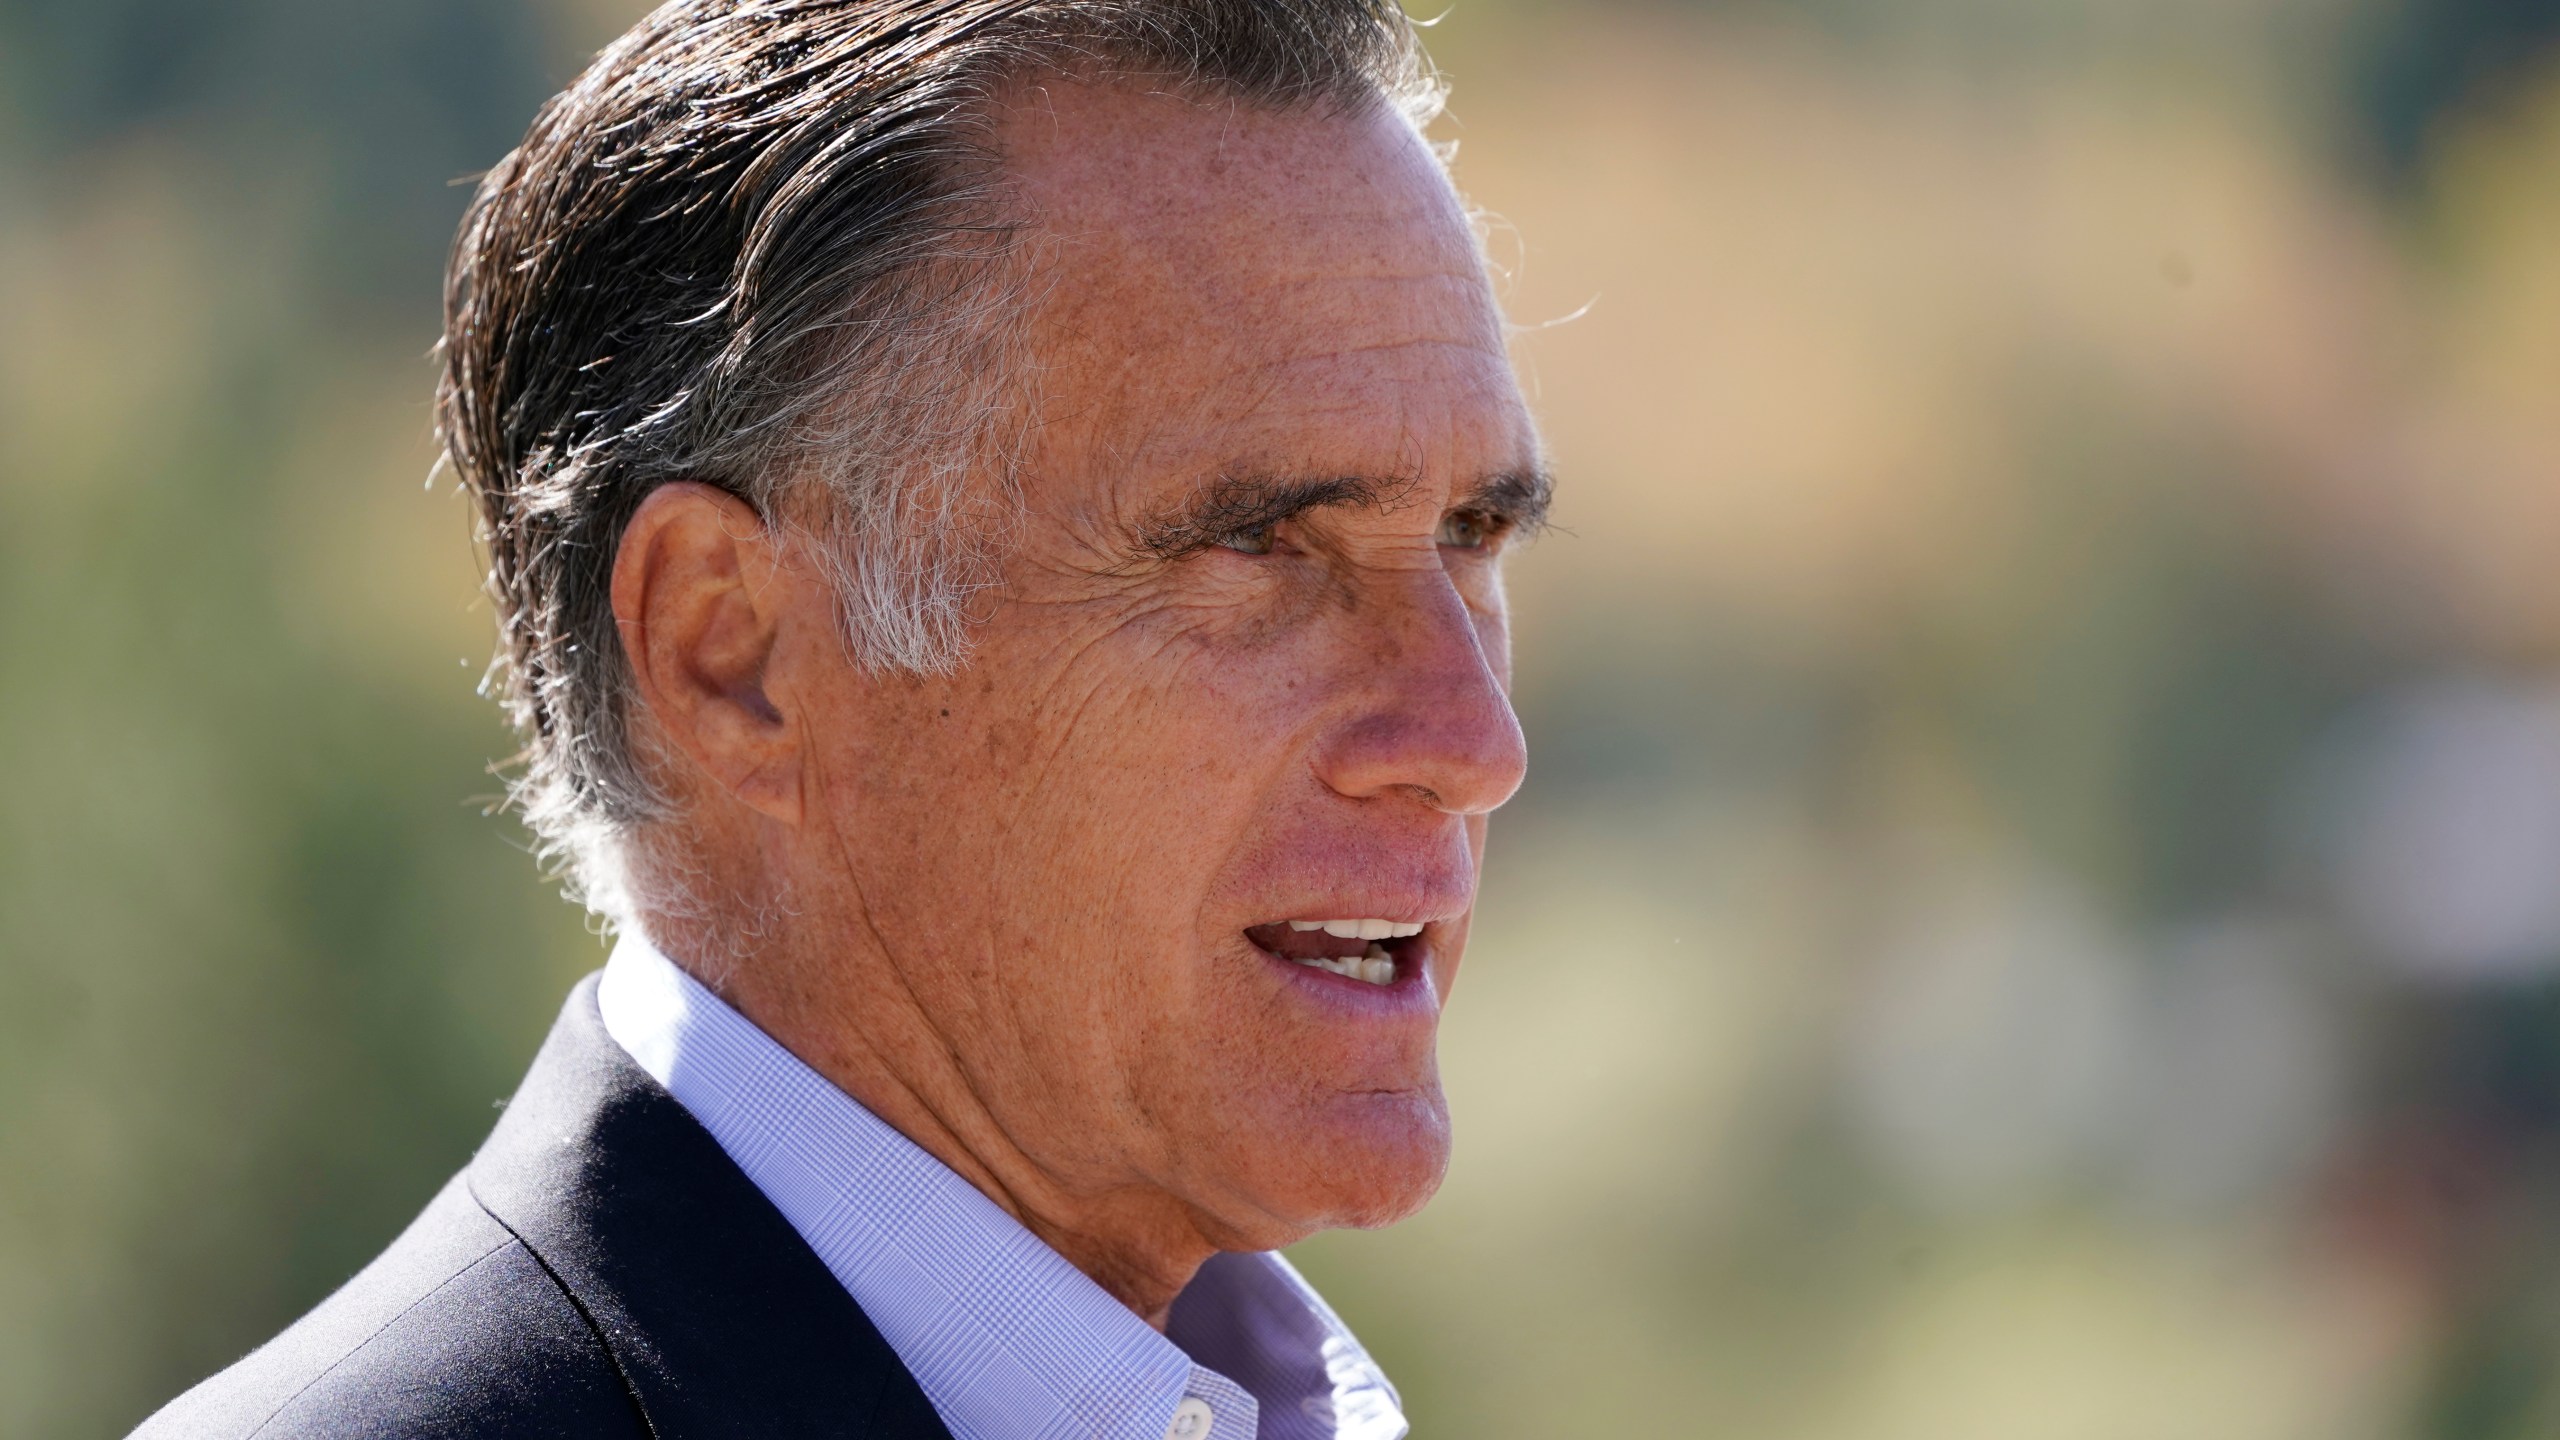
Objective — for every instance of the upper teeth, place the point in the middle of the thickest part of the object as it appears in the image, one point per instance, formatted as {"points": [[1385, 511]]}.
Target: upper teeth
{"points": [[1360, 929]]}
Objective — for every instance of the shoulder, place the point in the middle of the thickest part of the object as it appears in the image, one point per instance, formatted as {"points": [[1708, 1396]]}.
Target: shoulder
{"points": [[601, 1269], [456, 1330]]}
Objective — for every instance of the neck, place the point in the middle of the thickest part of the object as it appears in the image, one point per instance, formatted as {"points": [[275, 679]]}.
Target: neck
{"points": [[872, 1041]]}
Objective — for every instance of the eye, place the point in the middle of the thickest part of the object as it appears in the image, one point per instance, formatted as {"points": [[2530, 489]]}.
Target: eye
{"points": [[1470, 530], [1253, 540]]}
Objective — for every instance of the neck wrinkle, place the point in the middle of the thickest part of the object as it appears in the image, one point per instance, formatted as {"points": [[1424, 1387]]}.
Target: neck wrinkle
{"points": [[1134, 1243]]}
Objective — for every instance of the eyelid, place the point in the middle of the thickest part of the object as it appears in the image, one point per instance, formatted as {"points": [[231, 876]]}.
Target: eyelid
{"points": [[1268, 531], [1493, 526]]}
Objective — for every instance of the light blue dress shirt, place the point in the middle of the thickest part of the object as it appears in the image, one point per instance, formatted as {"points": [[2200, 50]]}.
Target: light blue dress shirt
{"points": [[1007, 1339]]}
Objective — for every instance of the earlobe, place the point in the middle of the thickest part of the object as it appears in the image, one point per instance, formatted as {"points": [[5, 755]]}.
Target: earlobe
{"points": [[696, 599]]}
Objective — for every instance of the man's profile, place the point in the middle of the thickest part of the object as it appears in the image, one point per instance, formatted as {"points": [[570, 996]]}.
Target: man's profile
{"points": [[994, 509]]}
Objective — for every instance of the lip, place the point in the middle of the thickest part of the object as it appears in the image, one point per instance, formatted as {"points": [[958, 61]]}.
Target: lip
{"points": [[1431, 906], [1323, 873], [1412, 992]]}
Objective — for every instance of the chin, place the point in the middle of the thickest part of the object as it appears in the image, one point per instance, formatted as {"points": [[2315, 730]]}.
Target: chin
{"points": [[1356, 1161]]}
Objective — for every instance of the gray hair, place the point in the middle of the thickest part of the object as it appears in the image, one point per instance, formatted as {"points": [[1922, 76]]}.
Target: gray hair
{"points": [[760, 244]]}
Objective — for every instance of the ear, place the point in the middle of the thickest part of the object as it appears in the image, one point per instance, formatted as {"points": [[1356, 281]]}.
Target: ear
{"points": [[700, 599]]}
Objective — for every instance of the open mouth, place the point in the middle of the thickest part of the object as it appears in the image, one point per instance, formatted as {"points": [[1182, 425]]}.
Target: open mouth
{"points": [[1371, 951]]}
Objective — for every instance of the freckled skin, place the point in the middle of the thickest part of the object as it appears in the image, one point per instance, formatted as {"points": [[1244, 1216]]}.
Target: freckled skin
{"points": [[1018, 894]]}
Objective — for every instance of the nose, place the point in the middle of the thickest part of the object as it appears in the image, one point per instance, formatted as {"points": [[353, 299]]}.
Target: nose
{"points": [[1433, 718]]}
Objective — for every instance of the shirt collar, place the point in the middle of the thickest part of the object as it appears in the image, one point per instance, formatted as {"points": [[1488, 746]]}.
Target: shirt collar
{"points": [[1006, 1338]]}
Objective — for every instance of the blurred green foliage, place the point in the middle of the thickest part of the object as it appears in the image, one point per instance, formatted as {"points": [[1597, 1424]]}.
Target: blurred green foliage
{"points": [[267, 963]]}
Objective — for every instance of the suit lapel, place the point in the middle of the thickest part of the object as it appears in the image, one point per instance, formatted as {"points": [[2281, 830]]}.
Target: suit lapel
{"points": [[722, 1319]]}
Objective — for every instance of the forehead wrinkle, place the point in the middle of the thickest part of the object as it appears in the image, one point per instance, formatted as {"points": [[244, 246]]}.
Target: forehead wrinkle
{"points": [[1216, 269], [1197, 358], [1375, 262], [1271, 370], [1288, 391], [1284, 277], [1373, 428], [1239, 316]]}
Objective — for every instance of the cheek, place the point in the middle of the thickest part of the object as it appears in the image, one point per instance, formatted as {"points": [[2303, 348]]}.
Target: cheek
{"points": [[1081, 831], [1164, 748]]}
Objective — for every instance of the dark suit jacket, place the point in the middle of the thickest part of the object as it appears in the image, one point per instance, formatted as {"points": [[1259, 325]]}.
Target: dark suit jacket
{"points": [[599, 1269]]}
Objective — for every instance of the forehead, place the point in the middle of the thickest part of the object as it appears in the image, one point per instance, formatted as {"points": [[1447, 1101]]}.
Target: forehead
{"points": [[1230, 285]]}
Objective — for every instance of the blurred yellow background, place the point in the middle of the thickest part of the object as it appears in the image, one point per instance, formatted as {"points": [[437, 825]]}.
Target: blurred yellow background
{"points": [[2036, 915]]}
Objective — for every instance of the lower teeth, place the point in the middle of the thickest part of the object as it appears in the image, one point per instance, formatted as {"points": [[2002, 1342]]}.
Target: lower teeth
{"points": [[1375, 967]]}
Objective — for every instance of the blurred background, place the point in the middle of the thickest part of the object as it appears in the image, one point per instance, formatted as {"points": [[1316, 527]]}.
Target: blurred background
{"points": [[2037, 911]]}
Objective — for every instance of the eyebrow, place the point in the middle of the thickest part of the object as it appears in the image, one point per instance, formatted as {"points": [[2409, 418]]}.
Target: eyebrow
{"points": [[1233, 504], [1517, 497]]}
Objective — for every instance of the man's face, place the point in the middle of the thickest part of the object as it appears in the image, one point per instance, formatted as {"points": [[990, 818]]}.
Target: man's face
{"points": [[1247, 665]]}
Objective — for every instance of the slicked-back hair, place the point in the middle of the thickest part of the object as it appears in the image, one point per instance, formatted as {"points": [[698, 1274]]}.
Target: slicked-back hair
{"points": [[761, 244]]}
